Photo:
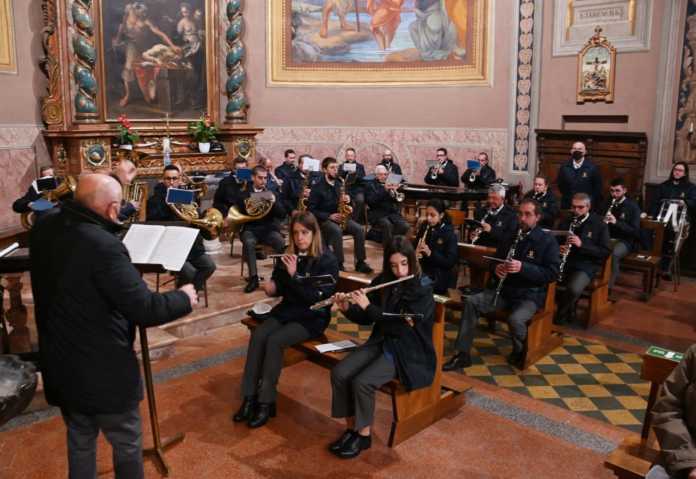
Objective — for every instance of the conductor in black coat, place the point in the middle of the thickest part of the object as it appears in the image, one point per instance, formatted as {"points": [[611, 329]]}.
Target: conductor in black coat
{"points": [[445, 173], [399, 347], [89, 298], [622, 216], [295, 279], [589, 248], [383, 213], [436, 247], [545, 197], [479, 178], [499, 221], [579, 175]]}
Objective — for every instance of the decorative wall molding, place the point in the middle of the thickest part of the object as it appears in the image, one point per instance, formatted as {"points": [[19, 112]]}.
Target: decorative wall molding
{"points": [[626, 23], [52, 103], [237, 105], [85, 58]]}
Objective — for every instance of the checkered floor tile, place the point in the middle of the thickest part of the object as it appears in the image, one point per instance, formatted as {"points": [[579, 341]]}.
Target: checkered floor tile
{"points": [[582, 376]]}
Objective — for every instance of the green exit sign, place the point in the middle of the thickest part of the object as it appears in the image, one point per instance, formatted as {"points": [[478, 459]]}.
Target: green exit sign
{"points": [[665, 354]]}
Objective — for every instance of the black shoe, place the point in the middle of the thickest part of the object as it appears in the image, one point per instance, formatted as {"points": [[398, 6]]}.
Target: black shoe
{"points": [[252, 285], [341, 267], [261, 255], [363, 267], [246, 410], [516, 359], [354, 446], [458, 361], [340, 443], [264, 411]]}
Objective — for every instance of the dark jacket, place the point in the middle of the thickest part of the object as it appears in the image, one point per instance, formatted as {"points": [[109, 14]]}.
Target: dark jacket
{"points": [[674, 417], [484, 179], [285, 171], [596, 246], [539, 253], [392, 167], [323, 200], [669, 190], [298, 294], [549, 207], [21, 205], [380, 202], [411, 347], [586, 179], [441, 265], [503, 225], [226, 195], [88, 300], [270, 222], [449, 176], [627, 226]]}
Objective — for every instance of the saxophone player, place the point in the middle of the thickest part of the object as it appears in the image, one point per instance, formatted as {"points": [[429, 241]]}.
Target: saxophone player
{"points": [[325, 201], [545, 197], [265, 230], [622, 216], [526, 275], [499, 221], [585, 251], [383, 214]]}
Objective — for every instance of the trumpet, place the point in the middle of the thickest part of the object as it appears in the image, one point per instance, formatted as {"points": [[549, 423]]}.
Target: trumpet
{"points": [[399, 196], [477, 232], [329, 301], [423, 240]]}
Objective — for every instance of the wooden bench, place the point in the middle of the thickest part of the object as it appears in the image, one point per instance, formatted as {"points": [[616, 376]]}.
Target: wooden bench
{"points": [[647, 261], [412, 411], [472, 255], [635, 455]]}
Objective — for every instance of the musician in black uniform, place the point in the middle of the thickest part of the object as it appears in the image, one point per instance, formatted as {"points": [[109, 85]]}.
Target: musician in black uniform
{"points": [[383, 213], [389, 163], [24, 204], [288, 168], [273, 183], [549, 205], [479, 178], [589, 248], [229, 188], [297, 279], [399, 346], [265, 230], [579, 175], [436, 247], [445, 173], [499, 221], [198, 266], [355, 186], [525, 277], [622, 216], [324, 202]]}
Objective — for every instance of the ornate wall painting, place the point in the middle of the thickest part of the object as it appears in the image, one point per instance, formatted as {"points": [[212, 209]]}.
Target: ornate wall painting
{"points": [[379, 42], [685, 138], [155, 58], [596, 70], [8, 55]]}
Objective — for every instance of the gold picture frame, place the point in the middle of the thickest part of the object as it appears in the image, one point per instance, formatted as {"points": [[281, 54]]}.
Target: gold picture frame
{"points": [[8, 54], [352, 54], [596, 70]]}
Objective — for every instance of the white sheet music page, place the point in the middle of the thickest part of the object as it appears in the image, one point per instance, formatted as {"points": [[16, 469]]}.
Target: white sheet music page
{"points": [[141, 241], [174, 247]]}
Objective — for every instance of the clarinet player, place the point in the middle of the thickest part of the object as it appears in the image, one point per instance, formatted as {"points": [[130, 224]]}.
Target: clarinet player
{"points": [[622, 216]]}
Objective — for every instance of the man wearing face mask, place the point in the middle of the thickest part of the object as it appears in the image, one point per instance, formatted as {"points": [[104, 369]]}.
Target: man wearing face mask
{"points": [[88, 300], [579, 175]]}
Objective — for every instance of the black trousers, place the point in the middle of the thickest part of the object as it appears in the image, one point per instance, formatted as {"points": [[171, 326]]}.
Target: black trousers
{"points": [[391, 226], [575, 284], [355, 380], [122, 430], [271, 237], [264, 359], [333, 236], [196, 270]]}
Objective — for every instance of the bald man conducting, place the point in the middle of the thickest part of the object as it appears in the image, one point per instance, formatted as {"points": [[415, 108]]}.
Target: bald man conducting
{"points": [[88, 300]]}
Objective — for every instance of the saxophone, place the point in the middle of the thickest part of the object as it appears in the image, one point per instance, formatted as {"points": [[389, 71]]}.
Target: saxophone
{"points": [[477, 232], [510, 256], [303, 202], [344, 208], [564, 256]]}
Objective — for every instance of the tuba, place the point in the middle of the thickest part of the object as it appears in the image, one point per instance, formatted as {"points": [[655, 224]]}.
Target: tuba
{"points": [[136, 193], [67, 187]]}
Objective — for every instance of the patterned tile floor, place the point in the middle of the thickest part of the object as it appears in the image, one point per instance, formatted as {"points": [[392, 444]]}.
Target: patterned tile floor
{"points": [[583, 376]]}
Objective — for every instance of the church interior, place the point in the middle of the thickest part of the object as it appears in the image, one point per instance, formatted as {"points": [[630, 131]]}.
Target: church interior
{"points": [[347, 238]]}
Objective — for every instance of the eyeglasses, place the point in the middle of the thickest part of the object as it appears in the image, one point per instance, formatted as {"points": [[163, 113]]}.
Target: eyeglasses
{"points": [[171, 178], [440, 154]]}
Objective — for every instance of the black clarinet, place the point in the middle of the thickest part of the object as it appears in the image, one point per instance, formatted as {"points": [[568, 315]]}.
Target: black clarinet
{"points": [[510, 256], [564, 257]]}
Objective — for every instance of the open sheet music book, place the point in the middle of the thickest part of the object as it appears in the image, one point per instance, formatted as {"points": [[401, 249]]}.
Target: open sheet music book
{"points": [[168, 246]]}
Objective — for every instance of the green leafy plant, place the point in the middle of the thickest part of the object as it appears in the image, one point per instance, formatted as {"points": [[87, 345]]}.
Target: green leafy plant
{"points": [[126, 133], [203, 130]]}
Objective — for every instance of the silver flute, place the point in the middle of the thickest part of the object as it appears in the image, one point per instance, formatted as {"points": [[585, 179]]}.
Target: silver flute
{"points": [[509, 257], [564, 256]]}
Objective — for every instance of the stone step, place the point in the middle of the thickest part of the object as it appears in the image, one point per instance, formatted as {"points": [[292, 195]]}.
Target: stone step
{"points": [[160, 342]]}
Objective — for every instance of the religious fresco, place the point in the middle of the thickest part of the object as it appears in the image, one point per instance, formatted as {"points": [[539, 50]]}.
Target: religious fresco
{"points": [[685, 140], [378, 41]]}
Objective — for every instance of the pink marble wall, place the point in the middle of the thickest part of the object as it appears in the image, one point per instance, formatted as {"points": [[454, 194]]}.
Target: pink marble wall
{"points": [[411, 146]]}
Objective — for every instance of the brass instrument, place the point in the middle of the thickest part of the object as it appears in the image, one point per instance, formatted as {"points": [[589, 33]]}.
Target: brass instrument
{"points": [[423, 240], [256, 208], [329, 301], [303, 202], [344, 208], [477, 232], [399, 196], [510, 255], [68, 186], [564, 256], [211, 222], [136, 193]]}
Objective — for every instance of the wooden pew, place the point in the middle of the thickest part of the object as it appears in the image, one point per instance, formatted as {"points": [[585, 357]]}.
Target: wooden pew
{"points": [[647, 262], [412, 411], [598, 295], [635, 455], [479, 273]]}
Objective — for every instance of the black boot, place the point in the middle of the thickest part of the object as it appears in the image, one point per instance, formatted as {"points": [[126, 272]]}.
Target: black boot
{"points": [[354, 446], [458, 361], [246, 410], [363, 267], [264, 411], [338, 444], [252, 284]]}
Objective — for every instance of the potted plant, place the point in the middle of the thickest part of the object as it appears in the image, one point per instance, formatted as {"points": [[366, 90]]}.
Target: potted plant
{"points": [[203, 131], [126, 134]]}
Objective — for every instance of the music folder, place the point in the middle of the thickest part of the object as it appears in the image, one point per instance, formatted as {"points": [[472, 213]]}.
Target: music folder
{"points": [[394, 179], [178, 196], [473, 164], [47, 183], [41, 205], [243, 174], [168, 246], [311, 164], [350, 167]]}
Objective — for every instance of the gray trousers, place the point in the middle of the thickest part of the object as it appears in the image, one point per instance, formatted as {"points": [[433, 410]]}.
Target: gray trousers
{"points": [[249, 241], [333, 236], [390, 226], [196, 271], [355, 380], [617, 254], [358, 201], [575, 283], [264, 359], [482, 303], [124, 433]]}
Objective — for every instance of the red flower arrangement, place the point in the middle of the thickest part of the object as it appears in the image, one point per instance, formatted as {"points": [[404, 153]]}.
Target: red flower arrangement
{"points": [[126, 134]]}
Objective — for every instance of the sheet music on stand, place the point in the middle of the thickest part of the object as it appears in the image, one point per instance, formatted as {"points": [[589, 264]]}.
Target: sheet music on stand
{"points": [[168, 246]]}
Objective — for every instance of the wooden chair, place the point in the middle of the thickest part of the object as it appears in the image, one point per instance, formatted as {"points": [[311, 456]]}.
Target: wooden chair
{"points": [[635, 455], [647, 261], [598, 294], [458, 218], [472, 255]]}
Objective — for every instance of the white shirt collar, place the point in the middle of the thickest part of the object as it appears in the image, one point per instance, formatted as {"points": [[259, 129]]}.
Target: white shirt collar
{"points": [[578, 165]]}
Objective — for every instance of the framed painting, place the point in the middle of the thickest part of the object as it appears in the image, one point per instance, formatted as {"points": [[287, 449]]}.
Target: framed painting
{"points": [[156, 58], [596, 70], [8, 57], [379, 42]]}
